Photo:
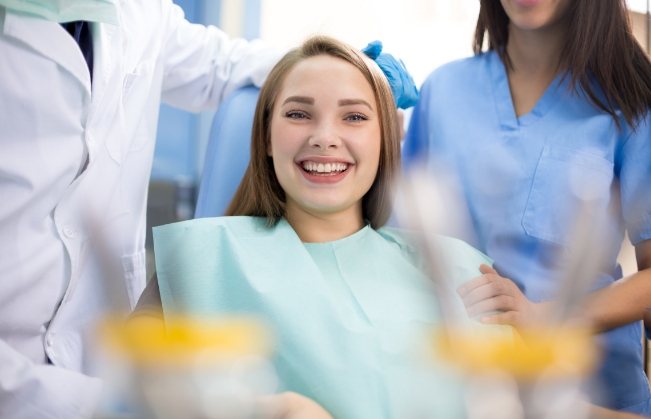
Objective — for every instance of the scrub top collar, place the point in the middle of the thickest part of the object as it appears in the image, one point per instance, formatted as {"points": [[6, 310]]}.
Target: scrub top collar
{"points": [[504, 101]]}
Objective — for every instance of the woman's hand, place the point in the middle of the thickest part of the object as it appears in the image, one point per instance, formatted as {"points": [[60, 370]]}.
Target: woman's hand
{"points": [[498, 300], [291, 405]]}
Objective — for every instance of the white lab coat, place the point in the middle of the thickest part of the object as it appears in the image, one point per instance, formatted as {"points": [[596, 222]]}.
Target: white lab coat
{"points": [[71, 155]]}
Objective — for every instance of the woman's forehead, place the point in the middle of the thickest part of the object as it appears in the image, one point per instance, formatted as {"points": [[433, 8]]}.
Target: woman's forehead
{"points": [[324, 73]]}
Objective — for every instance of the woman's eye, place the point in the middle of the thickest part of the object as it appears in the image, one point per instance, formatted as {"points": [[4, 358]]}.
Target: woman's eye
{"points": [[296, 115], [356, 117]]}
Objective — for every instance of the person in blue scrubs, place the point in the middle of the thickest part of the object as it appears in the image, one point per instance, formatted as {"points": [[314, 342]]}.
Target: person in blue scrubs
{"points": [[551, 119]]}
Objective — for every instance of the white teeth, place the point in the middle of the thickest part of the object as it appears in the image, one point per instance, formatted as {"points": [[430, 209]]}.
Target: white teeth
{"points": [[311, 166]]}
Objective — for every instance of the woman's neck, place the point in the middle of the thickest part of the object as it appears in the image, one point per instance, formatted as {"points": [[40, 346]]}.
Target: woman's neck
{"points": [[535, 58], [535, 52], [318, 228]]}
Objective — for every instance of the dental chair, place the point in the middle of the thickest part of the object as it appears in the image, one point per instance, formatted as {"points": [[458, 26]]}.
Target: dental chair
{"points": [[227, 154]]}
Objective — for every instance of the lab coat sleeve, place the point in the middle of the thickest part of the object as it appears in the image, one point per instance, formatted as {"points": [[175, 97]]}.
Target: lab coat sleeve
{"points": [[29, 391], [202, 64]]}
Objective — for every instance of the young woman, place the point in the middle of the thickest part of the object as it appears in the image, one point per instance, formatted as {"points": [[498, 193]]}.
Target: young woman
{"points": [[306, 250], [552, 120]]}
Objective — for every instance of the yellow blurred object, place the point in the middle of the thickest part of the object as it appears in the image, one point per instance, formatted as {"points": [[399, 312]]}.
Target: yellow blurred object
{"points": [[187, 366], [525, 354], [181, 340]]}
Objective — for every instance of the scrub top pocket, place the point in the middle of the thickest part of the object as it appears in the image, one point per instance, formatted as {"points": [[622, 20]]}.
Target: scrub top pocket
{"points": [[566, 179]]}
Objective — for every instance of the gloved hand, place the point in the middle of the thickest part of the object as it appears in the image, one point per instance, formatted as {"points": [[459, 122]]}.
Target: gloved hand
{"points": [[402, 85]]}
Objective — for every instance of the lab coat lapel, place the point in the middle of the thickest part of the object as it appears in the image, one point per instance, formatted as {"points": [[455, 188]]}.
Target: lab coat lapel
{"points": [[106, 110], [107, 53], [51, 40]]}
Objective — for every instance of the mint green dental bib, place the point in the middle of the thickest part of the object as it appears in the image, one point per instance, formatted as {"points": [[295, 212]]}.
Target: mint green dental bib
{"points": [[350, 317], [62, 11]]}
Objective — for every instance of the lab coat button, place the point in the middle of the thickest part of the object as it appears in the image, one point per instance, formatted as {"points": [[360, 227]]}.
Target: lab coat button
{"points": [[49, 342], [69, 232]]}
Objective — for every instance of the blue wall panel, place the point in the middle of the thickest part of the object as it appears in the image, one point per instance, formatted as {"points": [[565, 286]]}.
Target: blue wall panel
{"points": [[176, 144]]}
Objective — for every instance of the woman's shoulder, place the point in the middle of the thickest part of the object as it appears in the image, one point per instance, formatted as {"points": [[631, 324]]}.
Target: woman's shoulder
{"points": [[202, 239], [462, 71], [456, 252], [237, 224], [406, 240], [223, 229]]}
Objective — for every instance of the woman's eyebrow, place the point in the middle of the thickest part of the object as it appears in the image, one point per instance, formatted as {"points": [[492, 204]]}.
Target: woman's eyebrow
{"points": [[347, 102], [342, 102], [300, 99]]}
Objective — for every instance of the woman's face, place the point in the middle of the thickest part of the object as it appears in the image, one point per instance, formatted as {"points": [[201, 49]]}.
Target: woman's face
{"points": [[535, 14], [325, 137]]}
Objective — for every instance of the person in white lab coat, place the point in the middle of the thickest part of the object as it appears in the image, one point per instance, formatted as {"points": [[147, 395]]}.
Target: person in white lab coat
{"points": [[76, 146]]}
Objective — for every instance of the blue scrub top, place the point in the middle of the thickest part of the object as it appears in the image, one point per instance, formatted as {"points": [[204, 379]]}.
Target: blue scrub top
{"points": [[524, 178]]}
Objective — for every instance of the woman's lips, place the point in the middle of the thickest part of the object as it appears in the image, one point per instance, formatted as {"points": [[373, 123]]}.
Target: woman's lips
{"points": [[324, 171], [527, 3]]}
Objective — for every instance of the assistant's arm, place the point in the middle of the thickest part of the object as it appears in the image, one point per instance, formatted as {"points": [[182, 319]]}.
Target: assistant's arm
{"points": [[625, 300]]}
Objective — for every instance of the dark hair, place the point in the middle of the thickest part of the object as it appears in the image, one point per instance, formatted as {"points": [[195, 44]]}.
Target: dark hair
{"points": [[599, 46], [260, 193]]}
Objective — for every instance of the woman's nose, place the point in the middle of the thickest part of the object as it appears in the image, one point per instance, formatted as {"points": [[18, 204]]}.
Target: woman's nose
{"points": [[325, 137]]}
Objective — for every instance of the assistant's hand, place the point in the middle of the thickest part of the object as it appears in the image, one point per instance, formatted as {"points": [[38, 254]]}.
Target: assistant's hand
{"points": [[498, 300], [402, 84], [291, 405]]}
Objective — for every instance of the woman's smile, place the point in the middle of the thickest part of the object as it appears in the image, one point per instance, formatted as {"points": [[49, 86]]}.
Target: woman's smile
{"points": [[325, 170]]}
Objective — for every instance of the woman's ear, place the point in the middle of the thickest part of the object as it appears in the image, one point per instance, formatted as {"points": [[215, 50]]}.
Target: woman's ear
{"points": [[269, 149]]}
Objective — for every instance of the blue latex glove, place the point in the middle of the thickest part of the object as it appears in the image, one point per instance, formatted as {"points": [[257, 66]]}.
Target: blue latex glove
{"points": [[402, 85]]}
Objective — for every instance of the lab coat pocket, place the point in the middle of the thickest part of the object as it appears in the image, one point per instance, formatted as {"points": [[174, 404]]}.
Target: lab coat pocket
{"points": [[136, 79], [135, 93], [134, 266], [565, 181], [136, 97]]}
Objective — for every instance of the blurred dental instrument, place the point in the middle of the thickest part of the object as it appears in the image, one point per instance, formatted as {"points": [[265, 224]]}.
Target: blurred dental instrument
{"points": [[424, 205], [536, 373], [212, 367], [580, 265], [195, 367], [115, 293]]}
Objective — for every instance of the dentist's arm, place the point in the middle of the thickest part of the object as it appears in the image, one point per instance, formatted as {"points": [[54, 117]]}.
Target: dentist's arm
{"points": [[29, 390], [203, 64]]}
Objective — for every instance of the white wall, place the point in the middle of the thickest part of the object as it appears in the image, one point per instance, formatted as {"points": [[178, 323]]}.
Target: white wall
{"points": [[423, 33]]}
